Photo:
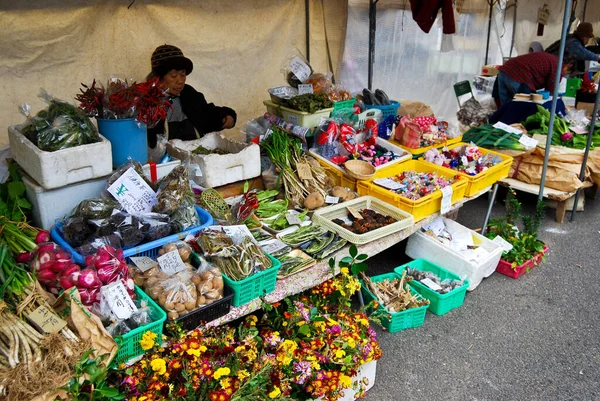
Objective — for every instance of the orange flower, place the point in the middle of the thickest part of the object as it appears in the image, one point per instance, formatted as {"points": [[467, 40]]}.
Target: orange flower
{"points": [[287, 315]]}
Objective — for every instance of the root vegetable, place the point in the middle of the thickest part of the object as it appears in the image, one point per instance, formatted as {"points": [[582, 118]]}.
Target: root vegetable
{"points": [[314, 200]]}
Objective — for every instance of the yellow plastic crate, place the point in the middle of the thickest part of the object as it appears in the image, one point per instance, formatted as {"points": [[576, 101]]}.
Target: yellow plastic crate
{"points": [[420, 208], [420, 151], [477, 183]]}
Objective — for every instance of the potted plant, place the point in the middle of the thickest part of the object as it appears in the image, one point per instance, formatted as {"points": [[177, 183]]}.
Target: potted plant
{"points": [[527, 250], [123, 110]]}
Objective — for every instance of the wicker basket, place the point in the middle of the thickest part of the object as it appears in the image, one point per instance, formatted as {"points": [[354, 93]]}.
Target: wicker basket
{"points": [[359, 169], [324, 216]]}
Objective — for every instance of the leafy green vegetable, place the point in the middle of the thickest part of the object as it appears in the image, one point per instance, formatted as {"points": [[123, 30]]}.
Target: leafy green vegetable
{"points": [[309, 102], [13, 204], [489, 137]]}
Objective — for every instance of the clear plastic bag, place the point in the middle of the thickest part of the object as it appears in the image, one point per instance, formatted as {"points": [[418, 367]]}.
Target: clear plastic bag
{"points": [[255, 128], [185, 251], [92, 245], [269, 174], [172, 190], [209, 285], [296, 70], [127, 226], [337, 93], [143, 316], [320, 82], [76, 230], [178, 295], [155, 226], [122, 169], [185, 217], [326, 137], [95, 208], [157, 153]]}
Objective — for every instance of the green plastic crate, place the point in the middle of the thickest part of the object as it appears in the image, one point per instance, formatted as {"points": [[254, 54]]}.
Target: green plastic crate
{"points": [[257, 285], [397, 321], [440, 304], [129, 344], [344, 104]]}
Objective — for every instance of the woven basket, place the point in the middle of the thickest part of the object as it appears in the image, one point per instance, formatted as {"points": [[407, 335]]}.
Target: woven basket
{"points": [[359, 169]]}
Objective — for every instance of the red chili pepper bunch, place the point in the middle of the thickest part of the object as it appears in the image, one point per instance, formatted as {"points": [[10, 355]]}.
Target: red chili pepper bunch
{"points": [[587, 86], [91, 99], [244, 208], [119, 99], [152, 102]]}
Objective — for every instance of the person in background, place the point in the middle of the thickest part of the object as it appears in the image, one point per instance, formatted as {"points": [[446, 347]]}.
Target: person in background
{"points": [[575, 44], [190, 116], [528, 73]]}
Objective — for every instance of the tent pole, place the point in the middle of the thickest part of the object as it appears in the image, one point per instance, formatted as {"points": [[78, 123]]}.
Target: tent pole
{"points": [[584, 10], [587, 152], [489, 32], [307, 21], [561, 53], [372, 28], [514, 30]]}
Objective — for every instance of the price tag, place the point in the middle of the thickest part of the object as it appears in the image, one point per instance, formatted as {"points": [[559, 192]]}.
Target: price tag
{"points": [[502, 243], [300, 69], [114, 296], [305, 88], [304, 171], [527, 141], [431, 284], [388, 183], [237, 233], [507, 128], [133, 193], [446, 199], [143, 262], [293, 219], [437, 226], [46, 320], [195, 169], [543, 15], [272, 245], [171, 262], [332, 200], [354, 212]]}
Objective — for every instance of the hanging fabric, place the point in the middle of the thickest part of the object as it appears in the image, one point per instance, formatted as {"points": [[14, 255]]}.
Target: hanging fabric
{"points": [[425, 12]]}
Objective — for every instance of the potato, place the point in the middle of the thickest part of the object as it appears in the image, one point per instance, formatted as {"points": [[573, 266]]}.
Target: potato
{"points": [[190, 306], [205, 275], [179, 307], [185, 253], [161, 252], [151, 282], [314, 200], [196, 279], [139, 280], [169, 306], [151, 272], [218, 283], [201, 300], [212, 294], [205, 287], [209, 301], [172, 315], [169, 248], [351, 195], [162, 299], [339, 192]]}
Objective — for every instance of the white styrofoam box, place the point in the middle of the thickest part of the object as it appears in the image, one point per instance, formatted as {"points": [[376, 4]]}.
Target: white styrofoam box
{"points": [[242, 163], [62, 167], [421, 246], [363, 381], [162, 169], [404, 155], [50, 205]]}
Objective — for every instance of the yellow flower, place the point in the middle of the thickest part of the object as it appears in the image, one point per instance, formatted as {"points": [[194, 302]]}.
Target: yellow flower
{"points": [[202, 348], [285, 324], [344, 270], [225, 383], [195, 352], [159, 366], [221, 372], [289, 346], [340, 353], [243, 374], [275, 393], [351, 342], [147, 341], [251, 355], [301, 323], [363, 321], [345, 381], [320, 325], [142, 398], [240, 348]]}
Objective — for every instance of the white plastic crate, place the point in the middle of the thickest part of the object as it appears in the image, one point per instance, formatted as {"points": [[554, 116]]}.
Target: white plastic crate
{"points": [[52, 204], [62, 167], [363, 381], [242, 163], [421, 246]]}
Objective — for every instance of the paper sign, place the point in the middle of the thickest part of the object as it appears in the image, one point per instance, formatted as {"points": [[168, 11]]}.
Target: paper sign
{"points": [[133, 193], [171, 262], [507, 128], [502, 243], [272, 246], [143, 262], [527, 141], [332, 200], [354, 212], [388, 183], [46, 320], [446, 199], [305, 88], [237, 233], [292, 219], [300, 69], [304, 171], [115, 297], [543, 15], [431, 284], [437, 226]]}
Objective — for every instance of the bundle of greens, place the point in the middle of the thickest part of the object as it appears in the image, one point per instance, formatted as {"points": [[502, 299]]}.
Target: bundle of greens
{"points": [[487, 136], [309, 102], [538, 124]]}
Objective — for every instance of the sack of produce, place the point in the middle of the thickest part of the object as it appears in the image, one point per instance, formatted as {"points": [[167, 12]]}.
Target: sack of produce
{"points": [[172, 190]]}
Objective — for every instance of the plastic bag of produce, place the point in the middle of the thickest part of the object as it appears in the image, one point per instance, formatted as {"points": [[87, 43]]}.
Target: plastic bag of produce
{"points": [[155, 226], [76, 230], [296, 70], [59, 126], [172, 190], [185, 217], [144, 315], [121, 170], [94, 243], [178, 294], [127, 226], [209, 285], [327, 134], [320, 82], [95, 208]]}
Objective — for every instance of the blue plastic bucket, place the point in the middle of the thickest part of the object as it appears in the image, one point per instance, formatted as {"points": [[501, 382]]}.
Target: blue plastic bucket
{"points": [[126, 139]]}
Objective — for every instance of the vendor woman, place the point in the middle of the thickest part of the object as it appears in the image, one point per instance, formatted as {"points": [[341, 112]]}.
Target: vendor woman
{"points": [[575, 44], [191, 116]]}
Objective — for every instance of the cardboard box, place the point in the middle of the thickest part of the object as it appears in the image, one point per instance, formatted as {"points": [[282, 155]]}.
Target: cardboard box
{"points": [[489, 70]]}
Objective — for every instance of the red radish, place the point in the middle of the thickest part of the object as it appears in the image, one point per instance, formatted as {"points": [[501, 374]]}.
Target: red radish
{"points": [[60, 265], [130, 285], [120, 255], [107, 274], [89, 260], [71, 271], [100, 260], [42, 236], [46, 247], [88, 278], [46, 266], [46, 256], [65, 282], [89, 295], [63, 255], [46, 276], [24, 257]]}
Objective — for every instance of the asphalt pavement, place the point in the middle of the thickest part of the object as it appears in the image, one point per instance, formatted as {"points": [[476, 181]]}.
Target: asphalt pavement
{"points": [[534, 338]]}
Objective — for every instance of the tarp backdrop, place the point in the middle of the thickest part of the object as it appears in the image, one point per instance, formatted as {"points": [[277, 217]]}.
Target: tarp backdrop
{"points": [[237, 46]]}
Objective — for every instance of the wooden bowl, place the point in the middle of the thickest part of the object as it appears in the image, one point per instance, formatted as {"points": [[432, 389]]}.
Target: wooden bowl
{"points": [[359, 169]]}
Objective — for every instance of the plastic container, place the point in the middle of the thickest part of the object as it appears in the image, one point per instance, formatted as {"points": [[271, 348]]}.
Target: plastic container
{"points": [[420, 208], [257, 285], [149, 249], [505, 267], [207, 313], [241, 163], [439, 304], [387, 110], [324, 216], [50, 205], [417, 152], [397, 321], [421, 246], [129, 344], [127, 140], [341, 177], [296, 117], [485, 179], [67, 166]]}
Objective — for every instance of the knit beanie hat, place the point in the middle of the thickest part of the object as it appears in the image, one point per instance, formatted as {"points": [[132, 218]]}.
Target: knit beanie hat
{"points": [[166, 58], [585, 29]]}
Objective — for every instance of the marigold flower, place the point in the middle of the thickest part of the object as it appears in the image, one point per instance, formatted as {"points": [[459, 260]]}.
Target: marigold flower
{"points": [[345, 381], [275, 393], [159, 366], [221, 372]]}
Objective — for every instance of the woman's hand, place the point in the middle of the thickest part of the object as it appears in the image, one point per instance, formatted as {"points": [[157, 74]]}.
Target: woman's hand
{"points": [[228, 122]]}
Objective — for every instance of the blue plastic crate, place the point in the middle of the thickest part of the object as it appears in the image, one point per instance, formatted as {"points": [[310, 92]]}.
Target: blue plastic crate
{"points": [[149, 249]]}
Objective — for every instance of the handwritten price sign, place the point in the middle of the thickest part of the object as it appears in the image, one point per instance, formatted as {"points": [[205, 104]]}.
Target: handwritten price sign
{"points": [[133, 193], [46, 320]]}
